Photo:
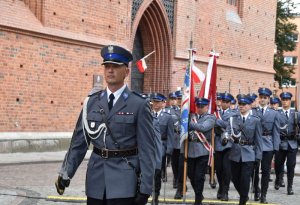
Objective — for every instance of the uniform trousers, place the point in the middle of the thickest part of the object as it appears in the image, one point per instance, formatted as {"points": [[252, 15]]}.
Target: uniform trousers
{"points": [[157, 182], [122, 201], [223, 169], [175, 163], [241, 175], [265, 172], [196, 171], [290, 157]]}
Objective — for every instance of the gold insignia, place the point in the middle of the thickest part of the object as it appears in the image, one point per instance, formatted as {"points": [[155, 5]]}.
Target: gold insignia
{"points": [[110, 49]]}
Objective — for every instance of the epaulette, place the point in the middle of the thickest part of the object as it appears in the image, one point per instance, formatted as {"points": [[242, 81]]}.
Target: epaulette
{"points": [[167, 111], [95, 91], [138, 94]]}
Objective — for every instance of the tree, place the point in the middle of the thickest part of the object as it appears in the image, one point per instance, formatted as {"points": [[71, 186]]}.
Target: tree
{"points": [[283, 39]]}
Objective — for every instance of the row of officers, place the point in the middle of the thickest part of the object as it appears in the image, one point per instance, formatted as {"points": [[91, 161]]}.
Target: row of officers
{"points": [[132, 140]]}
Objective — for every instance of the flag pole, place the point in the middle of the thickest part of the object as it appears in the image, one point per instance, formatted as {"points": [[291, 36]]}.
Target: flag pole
{"points": [[146, 56], [186, 140]]}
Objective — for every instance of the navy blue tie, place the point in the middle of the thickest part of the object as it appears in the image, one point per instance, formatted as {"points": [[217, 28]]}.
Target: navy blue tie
{"points": [[111, 101], [244, 119]]}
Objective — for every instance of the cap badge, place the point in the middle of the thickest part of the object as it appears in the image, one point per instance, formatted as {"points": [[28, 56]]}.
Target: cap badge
{"points": [[110, 49]]}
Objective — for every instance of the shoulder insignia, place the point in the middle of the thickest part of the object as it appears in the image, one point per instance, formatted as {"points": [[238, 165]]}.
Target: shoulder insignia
{"points": [[125, 95], [95, 91], [255, 116]]}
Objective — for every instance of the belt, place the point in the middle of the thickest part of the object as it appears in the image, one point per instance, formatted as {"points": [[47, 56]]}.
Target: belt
{"points": [[267, 133], [243, 142], [287, 137], [106, 153]]}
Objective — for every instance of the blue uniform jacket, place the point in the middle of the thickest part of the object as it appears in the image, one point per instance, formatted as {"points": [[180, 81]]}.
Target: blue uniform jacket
{"points": [[204, 124], [220, 127], [270, 128], [252, 132], [167, 131], [131, 124], [287, 127]]}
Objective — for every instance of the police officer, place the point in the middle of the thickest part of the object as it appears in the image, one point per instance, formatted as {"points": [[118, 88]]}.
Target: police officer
{"points": [[118, 123], [158, 150], [246, 132], [288, 146], [198, 155], [222, 150], [174, 110], [274, 103], [271, 140], [253, 97], [167, 136]]}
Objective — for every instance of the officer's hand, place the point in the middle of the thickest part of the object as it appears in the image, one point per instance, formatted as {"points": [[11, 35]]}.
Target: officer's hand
{"points": [[141, 199], [61, 184]]}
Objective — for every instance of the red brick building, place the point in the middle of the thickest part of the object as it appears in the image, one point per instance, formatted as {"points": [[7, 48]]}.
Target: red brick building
{"points": [[50, 51]]}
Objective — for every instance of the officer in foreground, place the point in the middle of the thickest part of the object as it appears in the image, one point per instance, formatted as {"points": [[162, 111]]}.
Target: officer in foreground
{"points": [[271, 140], [201, 124], [222, 149], [246, 133], [289, 120], [118, 123]]}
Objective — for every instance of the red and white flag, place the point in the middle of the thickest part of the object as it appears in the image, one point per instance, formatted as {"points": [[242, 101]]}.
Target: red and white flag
{"points": [[209, 87], [197, 75], [141, 64]]}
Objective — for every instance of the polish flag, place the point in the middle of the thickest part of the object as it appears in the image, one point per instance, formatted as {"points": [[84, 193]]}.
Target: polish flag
{"points": [[141, 64], [209, 87], [197, 75]]}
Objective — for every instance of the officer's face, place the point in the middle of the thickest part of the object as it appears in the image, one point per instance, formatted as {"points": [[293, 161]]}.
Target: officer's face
{"points": [[263, 100], [225, 104], [244, 108], [173, 101], [157, 105], [201, 109], [286, 103], [275, 106], [115, 74], [218, 103]]}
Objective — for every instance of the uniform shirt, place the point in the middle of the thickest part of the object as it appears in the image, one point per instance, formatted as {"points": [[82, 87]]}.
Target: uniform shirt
{"points": [[117, 94]]}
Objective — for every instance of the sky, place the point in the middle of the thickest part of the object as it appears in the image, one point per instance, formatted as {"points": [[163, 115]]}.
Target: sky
{"points": [[297, 10]]}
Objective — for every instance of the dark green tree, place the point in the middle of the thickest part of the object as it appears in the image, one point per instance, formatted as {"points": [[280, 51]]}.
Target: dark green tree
{"points": [[283, 39]]}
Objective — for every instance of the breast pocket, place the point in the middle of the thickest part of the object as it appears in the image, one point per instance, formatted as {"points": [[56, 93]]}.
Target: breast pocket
{"points": [[94, 120], [125, 124]]}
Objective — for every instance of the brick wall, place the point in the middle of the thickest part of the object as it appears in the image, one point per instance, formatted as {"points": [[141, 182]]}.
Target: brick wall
{"points": [[50, 51]]}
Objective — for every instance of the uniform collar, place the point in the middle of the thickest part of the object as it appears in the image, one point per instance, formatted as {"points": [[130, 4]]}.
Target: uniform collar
{"points": [[117, 94]]}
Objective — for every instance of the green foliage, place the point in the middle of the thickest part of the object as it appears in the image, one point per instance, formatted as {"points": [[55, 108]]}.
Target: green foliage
{"points": [[284, 30]]}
